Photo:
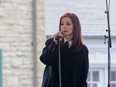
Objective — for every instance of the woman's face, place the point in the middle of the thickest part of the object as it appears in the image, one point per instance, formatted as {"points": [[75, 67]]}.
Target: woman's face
{"points": [[67, 26]]}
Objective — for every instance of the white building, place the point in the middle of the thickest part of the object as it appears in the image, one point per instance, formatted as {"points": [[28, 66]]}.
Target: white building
{"points": [[94, 24]]}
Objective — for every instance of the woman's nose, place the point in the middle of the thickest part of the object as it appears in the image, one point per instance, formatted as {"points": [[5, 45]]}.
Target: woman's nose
{"points": [[64, 27]]}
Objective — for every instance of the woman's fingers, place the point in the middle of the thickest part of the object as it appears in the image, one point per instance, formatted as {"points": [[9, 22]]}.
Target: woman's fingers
{"points": [[58, 36]]}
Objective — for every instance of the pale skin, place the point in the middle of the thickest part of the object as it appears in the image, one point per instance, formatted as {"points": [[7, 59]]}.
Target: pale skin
{"points": [[67, 29]]}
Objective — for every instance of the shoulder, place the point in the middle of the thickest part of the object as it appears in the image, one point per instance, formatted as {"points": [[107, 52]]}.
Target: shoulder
{"points": [[49, 41], [85, 49]]}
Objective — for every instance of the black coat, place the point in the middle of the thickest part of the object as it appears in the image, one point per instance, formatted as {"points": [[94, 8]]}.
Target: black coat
{"points": [[74, 65]]}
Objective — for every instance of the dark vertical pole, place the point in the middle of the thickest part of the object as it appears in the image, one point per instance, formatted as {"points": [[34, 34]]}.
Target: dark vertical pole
{"points": [[59, 56], [109, 40]]}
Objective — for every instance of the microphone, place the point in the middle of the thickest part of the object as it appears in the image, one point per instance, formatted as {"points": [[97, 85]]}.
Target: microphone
{"points": [[58, 37]]}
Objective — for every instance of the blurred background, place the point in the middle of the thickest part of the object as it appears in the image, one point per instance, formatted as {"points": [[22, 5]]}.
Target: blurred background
{"points": [[25, 25]]}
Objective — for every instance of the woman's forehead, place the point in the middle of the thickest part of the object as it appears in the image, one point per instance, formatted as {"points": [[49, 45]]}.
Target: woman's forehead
{"points": [[66, 19]]}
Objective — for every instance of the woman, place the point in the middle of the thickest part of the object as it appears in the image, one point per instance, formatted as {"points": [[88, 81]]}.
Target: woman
{"points": [[74, 58]]}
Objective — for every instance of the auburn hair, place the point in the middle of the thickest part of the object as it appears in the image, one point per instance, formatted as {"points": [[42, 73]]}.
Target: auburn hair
{"points": [[77, 43]]}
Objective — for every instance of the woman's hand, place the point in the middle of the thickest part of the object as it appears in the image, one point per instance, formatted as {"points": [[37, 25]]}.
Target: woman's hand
{"points": [[57, 36]]}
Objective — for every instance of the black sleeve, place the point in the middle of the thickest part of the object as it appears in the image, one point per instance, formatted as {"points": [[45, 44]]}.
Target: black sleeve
{"points": [[85, 67], [46, 56]]}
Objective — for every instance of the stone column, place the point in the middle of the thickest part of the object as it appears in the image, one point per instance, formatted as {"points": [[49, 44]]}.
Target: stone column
{"points": [[41, 37]]}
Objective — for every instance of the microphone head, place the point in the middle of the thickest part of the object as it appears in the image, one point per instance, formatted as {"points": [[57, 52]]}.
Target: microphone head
{"points": [[58, 37]]}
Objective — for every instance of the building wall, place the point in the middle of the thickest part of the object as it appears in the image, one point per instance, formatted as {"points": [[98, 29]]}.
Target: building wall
{"points": [[41, 36], [93, 21], [94, 24], [91, 14], [16, 41]]}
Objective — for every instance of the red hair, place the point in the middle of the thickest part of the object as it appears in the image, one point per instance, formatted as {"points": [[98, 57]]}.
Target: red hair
{"points": [[77, 43]]}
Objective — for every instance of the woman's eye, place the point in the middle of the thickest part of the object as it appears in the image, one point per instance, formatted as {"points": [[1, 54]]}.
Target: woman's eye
{"points": [[68, 23]]}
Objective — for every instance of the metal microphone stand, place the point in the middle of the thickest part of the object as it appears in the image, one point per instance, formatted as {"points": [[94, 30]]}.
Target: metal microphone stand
{"points": [[109, 41], [59, 60]]}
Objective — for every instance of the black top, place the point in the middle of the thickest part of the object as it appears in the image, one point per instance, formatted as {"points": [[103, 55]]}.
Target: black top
{"points": [[74, 65]]}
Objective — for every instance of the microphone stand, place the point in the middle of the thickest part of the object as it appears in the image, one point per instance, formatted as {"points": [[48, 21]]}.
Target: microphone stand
{"points": [[109, 41], [59, 60]]}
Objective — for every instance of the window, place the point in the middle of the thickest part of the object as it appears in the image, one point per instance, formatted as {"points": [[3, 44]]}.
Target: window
{"points": [[113, 78], [93, 79]]}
